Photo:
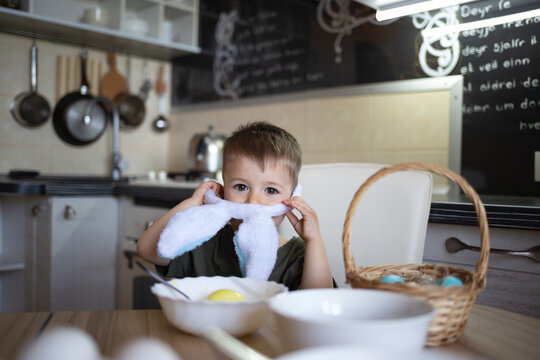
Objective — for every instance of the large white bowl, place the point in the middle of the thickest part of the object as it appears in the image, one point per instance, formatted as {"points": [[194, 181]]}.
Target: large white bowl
{"points": [[308, 318], [199, 315], [351, 352]]}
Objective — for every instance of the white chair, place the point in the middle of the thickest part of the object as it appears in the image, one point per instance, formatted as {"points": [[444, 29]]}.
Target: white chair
{"points": [[391, 218]]}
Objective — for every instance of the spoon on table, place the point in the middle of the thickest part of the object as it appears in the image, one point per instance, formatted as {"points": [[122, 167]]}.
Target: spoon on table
{"points": [[161, 280], [454, 245]]}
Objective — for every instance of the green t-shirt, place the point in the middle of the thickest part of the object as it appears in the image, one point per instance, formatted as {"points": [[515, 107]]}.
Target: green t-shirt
{"points": [[217, 257]]}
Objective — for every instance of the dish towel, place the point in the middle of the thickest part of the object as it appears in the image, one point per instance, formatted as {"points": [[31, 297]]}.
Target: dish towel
{"points": [[256, 242]]}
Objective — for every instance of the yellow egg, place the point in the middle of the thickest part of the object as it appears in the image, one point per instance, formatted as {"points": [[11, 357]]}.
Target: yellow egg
{"points": [[226, 295]]}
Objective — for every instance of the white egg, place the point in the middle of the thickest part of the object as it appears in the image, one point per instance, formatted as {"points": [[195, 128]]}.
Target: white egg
{"points": [[62, 343], [147, 348]]}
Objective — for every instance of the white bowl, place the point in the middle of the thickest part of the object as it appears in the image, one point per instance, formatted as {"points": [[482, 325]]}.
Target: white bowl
{"points": [[199, 315], [307, 318], [351, 352]]}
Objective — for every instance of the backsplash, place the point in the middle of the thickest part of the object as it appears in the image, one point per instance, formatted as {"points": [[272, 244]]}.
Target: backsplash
{"points": [[386, 129], [363, 128], [40, 148]]}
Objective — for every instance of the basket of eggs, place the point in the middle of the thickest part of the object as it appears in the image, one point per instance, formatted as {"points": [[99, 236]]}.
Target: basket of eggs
{"points": [[452, 291]]}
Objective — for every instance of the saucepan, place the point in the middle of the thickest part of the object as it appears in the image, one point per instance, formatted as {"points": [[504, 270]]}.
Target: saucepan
{"points": [[68, 117], [131, 107], [30, 108]]}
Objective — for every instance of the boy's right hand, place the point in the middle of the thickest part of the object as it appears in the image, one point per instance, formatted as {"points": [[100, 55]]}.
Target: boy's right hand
{"points": [[197, 198]]}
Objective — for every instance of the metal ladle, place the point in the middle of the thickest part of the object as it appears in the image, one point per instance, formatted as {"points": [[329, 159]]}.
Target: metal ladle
{"points": [[161, 280]]}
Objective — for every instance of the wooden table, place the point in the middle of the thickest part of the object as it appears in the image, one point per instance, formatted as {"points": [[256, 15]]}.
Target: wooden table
{"points": [[490, 333]]}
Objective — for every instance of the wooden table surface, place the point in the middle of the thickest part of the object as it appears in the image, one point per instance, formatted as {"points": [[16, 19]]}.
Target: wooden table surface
{"points": [[490, 333]]}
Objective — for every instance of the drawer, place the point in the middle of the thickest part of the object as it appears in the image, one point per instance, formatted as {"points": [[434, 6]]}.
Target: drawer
{"points": [[509, 290], [500, 238], [138, 218]]}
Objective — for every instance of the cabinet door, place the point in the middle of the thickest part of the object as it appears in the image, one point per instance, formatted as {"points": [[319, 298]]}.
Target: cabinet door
{"points": [[84, 235]]}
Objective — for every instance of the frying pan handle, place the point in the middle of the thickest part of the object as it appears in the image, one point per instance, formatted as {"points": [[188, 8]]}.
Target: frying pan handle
{"points": [[84, 81], [33, 68]]}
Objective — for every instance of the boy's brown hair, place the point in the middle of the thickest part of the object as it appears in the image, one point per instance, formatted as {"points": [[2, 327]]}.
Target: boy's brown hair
{"points": [[266, 144]]}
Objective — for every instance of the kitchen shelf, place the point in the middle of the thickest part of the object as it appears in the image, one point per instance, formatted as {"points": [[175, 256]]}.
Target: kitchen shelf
{"points": [[160, 29]]}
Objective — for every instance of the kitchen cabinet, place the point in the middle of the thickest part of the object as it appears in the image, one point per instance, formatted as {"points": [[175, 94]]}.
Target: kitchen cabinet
{"points": [[70, 252], [512, 281], [153, 28], [13, 232], [133, 290], [76, 257]]}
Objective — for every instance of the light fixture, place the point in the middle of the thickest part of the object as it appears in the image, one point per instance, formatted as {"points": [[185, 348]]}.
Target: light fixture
{"points": [[414, 8], [449, 29]]}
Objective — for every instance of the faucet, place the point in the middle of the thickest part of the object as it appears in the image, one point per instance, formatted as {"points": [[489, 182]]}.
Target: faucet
{"points": [[117, 164]]}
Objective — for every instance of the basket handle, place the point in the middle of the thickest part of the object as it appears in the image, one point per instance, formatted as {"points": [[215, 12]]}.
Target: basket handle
{"points": [[481, 266]]}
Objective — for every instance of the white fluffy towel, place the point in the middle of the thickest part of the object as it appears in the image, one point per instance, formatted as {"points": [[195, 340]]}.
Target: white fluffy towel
{"points": [[256, 241]]}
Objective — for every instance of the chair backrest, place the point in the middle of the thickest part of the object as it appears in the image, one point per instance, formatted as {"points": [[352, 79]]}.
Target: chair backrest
{"points": [[391, 218]]}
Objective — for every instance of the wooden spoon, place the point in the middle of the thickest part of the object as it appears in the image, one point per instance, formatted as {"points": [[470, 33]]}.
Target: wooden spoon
{"points": [[113, 83], [160, 87]]}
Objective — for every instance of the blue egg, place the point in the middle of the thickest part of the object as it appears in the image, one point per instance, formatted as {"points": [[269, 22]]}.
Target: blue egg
{"points": [[391, 279], [447, 281]]}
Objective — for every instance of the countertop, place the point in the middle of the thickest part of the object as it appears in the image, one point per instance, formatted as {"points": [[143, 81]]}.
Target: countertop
{"points": [[452, 208]]}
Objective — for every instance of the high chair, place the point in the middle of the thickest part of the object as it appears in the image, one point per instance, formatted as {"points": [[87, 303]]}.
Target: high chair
{"points": [[390, 222]]}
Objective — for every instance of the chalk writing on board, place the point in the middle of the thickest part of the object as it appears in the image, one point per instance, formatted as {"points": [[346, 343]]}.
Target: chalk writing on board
{"points": [[442, 51], [225, 82]]}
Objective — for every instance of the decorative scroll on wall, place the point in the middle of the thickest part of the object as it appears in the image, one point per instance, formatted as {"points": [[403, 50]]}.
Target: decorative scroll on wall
{"points": [[263, 47]]}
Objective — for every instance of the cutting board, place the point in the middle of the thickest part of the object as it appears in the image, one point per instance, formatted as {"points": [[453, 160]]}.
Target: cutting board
{"points": [[113, 83], [68, 74]]}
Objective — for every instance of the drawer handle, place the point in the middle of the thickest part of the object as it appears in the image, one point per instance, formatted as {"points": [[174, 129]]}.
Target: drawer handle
{"points": [[70, 213], [454, 245]]}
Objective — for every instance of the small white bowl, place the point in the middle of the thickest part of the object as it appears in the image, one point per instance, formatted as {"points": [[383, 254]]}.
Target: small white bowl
{"points": [[308, 318], [199, 315]]}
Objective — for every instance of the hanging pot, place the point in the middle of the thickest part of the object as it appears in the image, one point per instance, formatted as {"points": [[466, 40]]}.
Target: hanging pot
{"points": [[68, 116], [30, 108], [130, 107]]}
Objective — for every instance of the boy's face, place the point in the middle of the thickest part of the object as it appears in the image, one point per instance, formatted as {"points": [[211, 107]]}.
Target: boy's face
{"points": [[245, 182]]}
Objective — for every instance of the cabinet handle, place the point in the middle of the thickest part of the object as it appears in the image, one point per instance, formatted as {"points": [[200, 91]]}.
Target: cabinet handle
{"points": [[148, 224], [36, 209], [69, 213], [130, 254], [454, 245]]}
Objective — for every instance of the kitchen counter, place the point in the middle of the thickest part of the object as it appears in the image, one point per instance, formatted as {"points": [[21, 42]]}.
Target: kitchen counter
{"points": [[453, 208]]}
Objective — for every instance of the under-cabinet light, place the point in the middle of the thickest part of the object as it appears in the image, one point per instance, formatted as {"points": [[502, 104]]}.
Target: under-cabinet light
{"points": [[439, 31], [418, 7]]}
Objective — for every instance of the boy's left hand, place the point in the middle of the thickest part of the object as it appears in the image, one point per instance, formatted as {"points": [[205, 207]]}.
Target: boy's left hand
{"points": [[308, 226]]}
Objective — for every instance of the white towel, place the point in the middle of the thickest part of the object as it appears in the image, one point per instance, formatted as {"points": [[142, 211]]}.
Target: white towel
{"points": [[256, 241]]}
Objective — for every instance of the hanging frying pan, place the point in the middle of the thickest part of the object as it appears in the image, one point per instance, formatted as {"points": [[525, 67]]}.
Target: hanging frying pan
{"points": [[30, 108], [68, 115]]}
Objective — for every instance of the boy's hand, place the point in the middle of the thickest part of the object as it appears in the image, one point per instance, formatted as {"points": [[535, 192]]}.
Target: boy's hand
{"points": [[197, 198], [308, 226]]}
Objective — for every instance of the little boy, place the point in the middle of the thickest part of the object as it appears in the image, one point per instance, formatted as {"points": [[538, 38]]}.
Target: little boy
{"points": [[261, 163]]}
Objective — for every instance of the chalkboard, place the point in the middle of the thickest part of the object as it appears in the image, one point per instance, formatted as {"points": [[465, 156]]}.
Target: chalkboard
{"points": [[280, 46]]}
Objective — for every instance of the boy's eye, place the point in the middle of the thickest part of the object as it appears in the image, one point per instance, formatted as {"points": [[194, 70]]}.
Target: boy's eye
{"points": [[272, 191], [240, 187]]}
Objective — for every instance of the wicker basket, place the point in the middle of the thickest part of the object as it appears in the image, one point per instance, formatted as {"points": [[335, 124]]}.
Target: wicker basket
{"points": [[452, 304]]}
